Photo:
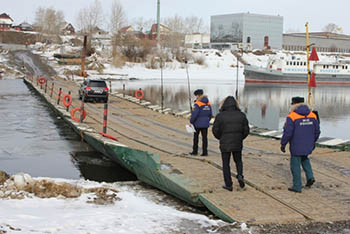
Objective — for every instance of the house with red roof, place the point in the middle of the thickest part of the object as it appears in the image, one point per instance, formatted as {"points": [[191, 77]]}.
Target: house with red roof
{"points": [[163, 32], [131, 31], [5, 22]]}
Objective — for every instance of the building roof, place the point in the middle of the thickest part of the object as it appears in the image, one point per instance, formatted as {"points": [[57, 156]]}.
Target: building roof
{"points": [[248, 14], [25, 24], [5, 19], [66, 25], [127, 29], [320, 34], [162, 28]]}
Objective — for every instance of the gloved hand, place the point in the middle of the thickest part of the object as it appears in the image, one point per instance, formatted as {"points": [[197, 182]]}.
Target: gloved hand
{"points": [[283, 148]]}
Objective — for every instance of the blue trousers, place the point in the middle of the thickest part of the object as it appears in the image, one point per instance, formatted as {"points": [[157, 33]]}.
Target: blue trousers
{"points": [[295, 162]]}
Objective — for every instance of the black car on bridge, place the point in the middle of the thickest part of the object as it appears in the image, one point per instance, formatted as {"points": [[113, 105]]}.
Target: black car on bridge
{"points": [[94, 90]]}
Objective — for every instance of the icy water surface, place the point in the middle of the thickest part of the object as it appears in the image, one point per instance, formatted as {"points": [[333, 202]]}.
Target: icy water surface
{"points": [[35, 141], [265, 105]]}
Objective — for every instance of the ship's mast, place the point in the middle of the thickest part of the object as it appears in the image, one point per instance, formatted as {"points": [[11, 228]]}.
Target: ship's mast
{"points": [[308, 63]]}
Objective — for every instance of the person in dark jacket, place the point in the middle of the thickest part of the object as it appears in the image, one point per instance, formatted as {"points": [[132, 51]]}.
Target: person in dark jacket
{"points": [[301, 131], [231, 128], [200, 119]]}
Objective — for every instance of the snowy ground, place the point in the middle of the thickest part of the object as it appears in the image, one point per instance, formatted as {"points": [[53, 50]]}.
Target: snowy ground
{"points": [[221, 65], [139, 211], [7, 71]]}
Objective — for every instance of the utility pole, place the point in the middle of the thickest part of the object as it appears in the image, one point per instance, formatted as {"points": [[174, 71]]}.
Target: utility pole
{"points": [[237, 77], [308, 63], [158, 21], [161, 83], [188, 86], [83, 56], [237, 73]]}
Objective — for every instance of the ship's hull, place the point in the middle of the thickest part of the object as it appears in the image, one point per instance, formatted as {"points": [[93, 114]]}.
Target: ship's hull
{"points": [[262, 75]]}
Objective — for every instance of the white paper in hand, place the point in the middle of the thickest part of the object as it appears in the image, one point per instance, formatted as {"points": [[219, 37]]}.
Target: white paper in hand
{"points": [[190, 128]]}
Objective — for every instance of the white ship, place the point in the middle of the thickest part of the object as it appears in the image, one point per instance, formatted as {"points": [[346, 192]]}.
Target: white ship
{"points": [[294, 71]]}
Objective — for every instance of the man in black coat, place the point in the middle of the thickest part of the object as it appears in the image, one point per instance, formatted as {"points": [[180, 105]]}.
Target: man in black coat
{"points": [[231, 128]]}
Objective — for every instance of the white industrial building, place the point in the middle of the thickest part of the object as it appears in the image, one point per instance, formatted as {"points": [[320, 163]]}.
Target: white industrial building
{"points": [[246, 29]]}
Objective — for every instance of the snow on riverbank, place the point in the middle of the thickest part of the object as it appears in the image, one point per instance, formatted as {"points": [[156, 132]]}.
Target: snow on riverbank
{"points": [[137, 211], [7, 71], [217, 65]]}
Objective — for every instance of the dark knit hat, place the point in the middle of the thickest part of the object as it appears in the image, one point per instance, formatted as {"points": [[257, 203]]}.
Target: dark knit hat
{"points": [[198, 92], [296, 100]]}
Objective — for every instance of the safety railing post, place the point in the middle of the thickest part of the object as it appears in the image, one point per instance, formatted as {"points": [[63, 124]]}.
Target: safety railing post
{"points": [[68, 105], [123, 90], [45, 87], [59, 96], [82, 109], [52, 86], [105, 114]]}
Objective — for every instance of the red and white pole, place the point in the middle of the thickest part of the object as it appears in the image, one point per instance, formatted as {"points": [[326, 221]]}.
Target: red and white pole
{"points": [[105, 114]]}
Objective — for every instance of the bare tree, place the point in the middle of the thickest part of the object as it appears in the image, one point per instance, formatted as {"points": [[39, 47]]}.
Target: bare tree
{"points": [[194, 24], [142, 24], [90, 18], [48, 20], [118, 17], [332, 28], [187, 25], [175, 23]]}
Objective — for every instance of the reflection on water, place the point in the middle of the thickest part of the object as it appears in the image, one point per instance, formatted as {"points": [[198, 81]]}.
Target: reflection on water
{"points": [[332, 103], [35, 141], [265, 105]]}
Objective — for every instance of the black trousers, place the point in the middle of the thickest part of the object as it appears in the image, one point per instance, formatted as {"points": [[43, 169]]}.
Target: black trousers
{"points": [[204, 132], [237, 157]]}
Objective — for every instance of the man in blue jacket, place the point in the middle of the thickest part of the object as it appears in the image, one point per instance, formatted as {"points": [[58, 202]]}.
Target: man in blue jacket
{"points": [[200, 119], [301, 131]]}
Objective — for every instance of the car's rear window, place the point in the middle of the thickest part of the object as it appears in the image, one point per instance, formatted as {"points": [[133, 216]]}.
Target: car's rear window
{"points": [[97, 84]]}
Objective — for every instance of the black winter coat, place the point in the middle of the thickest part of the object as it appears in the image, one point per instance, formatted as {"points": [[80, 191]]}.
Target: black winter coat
{"points": [[230, 127]]}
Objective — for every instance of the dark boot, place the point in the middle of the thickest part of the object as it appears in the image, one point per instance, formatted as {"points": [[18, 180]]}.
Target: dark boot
{"points": [[310, 182], [194, 153], [227, 188], [240, 181], [294, 190]]}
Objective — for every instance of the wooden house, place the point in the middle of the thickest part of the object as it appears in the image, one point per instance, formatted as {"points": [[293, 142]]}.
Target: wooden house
{"points": [[5, 22]]}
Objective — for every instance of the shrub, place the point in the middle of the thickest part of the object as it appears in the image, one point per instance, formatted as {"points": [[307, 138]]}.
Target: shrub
{"points": [[118, 60], [200, 60]]}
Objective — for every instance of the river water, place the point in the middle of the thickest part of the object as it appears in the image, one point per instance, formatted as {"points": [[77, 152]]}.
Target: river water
{"points": [[266, 106], [36, 141]]}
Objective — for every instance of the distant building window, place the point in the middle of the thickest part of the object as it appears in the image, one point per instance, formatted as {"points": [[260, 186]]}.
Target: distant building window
{"points": [[304, 63], [287, 63], [294, 63], [297, 63]]}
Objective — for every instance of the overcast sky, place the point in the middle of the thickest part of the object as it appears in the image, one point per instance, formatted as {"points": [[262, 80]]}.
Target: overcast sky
{"points": [[295, 12]]}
